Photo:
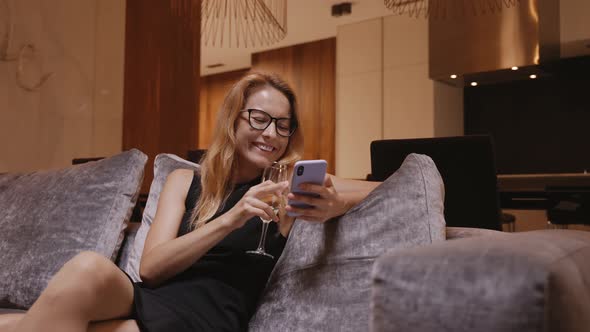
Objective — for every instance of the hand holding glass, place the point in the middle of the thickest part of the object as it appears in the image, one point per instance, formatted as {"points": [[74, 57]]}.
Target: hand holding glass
{"points": [[275, 173]]}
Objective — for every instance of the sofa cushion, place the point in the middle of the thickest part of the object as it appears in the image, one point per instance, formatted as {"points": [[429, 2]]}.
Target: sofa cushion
{"points": [[164, 164], [528, 281], [47, 217], [322, 280]]}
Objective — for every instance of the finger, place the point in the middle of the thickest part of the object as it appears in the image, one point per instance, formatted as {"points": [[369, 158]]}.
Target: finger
{"points": [[313, 188], [268, 187], [256, 207], [268, 212], [275, 187], [328, 181], [299, 210], [304, 199], [261, 186]]}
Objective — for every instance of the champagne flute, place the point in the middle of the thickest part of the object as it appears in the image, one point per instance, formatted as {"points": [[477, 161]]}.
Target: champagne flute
{"points": [[275, 173]]}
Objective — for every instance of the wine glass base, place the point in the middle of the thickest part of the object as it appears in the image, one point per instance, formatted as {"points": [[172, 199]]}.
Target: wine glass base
{"points": [[261, 253]]}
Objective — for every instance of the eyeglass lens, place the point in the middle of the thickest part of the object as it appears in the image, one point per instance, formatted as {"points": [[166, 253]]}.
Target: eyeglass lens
{"points": [[261, 120]]}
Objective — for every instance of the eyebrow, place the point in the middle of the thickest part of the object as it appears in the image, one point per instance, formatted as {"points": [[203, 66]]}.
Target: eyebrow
{"points": [[258, 109]]}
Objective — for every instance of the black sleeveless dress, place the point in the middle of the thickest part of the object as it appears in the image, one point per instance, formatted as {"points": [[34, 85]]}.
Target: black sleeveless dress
{"points": [[218, 292]]}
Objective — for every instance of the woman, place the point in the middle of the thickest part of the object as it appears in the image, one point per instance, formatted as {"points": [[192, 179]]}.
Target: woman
{"points": [[196, 275]]}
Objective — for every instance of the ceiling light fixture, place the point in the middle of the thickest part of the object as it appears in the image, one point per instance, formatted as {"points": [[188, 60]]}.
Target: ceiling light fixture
{"points": [[473, 83], [532, 76], [514, 68], [453, 76], [243, 23], [447, 8]]}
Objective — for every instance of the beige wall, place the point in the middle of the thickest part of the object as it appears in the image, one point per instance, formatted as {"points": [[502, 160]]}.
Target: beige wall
{"points": [[383, 90], [359, 95], [77, 112], [574, 27]]}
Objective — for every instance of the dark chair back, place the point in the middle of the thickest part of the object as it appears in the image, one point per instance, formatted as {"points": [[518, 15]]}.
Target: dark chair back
{"points": [[467, 166]]}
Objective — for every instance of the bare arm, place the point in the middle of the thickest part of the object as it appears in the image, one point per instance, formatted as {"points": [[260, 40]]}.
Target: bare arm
{"points": [[336, 196], [165, 255], [353, 191]]}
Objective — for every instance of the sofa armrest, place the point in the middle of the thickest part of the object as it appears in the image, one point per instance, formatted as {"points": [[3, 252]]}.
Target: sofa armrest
{"points": [[531, 281], [454, 233]]}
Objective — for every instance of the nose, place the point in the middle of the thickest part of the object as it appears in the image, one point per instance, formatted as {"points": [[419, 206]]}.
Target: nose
{"points": [[271, 130]]}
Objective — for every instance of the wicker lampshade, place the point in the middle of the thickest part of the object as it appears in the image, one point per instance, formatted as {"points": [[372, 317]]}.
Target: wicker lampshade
{"points": [[442, 9], [243, 23]]}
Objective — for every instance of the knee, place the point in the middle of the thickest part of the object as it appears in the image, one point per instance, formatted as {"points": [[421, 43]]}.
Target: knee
{"points": [[87, 264], [87, 272]]}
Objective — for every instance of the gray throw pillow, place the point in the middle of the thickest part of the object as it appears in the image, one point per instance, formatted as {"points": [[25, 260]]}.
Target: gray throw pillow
{"points": [[164, 164], [47, 217], [322, 281]]}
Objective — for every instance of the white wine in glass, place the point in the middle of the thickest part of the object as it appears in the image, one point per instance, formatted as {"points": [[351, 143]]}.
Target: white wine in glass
{"points": [[275, 173]]}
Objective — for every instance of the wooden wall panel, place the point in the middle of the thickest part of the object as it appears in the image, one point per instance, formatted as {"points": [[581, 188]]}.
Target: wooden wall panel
{"points": [[213, 91], [161, 93], [310, 68]]}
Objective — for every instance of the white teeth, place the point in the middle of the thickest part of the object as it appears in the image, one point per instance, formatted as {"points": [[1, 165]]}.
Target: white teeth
{"points": [[264, 147]]}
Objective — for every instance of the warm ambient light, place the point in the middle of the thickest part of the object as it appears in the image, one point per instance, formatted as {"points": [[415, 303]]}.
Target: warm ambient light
{"points": [[514, 68], [533, 76], [453, 76], [473, 83]]}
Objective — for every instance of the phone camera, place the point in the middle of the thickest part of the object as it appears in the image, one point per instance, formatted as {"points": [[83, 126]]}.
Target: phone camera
{"points": [[300, 170]]}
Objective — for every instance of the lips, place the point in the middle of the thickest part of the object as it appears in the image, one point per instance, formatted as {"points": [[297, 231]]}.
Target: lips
{"points": [[264, 147]]}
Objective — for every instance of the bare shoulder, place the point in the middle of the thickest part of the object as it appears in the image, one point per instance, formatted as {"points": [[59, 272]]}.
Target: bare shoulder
{"points": [[181, 174], [178, 181]]}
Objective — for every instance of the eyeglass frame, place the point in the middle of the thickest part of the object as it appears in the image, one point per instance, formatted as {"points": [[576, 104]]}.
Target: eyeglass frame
{"points": [[292, 126]]}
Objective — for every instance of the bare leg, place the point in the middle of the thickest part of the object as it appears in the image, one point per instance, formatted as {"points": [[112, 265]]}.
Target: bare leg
{"points": [[128, 325], [87, 288], [8, 321]]}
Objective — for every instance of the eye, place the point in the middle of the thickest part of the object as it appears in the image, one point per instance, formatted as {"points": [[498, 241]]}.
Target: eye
{"points": [[284, 125], [260, 119]]}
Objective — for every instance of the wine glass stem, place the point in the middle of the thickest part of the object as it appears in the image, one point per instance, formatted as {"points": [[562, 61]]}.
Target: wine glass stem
{"points": [[262, 237]]}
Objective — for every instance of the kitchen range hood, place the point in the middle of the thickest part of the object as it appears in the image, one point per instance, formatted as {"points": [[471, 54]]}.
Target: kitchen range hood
{"points": [[503, 45]]}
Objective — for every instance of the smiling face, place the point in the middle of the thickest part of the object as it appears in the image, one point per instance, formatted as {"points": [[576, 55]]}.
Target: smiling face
{"points": [[257, 149]]}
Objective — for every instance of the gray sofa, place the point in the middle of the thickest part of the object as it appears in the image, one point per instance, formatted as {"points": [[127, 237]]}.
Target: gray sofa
{"points": [[389, 264]]}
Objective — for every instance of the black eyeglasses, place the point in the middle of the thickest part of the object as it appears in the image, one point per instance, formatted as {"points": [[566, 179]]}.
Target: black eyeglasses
{"points": [[260, 120]]}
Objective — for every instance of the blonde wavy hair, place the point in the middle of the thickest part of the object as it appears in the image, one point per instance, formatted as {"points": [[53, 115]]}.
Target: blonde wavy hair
{"points": [[219, 163]]}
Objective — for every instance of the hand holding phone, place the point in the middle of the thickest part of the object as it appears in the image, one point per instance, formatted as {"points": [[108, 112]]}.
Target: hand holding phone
{"points": [[306, 171]]}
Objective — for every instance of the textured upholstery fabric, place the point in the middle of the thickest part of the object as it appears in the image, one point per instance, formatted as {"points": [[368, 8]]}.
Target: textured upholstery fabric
{"points": [[127, 245], [47, 217], [531, 281], [164, 164], [322, 280], [463, 232]]}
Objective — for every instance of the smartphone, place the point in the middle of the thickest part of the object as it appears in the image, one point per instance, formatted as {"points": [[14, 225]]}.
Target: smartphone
{"points": [[306, 171]]}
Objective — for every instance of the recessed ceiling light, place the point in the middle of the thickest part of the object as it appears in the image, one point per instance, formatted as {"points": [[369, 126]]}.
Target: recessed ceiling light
{"points": [[473, 83], [533, 76], [215, 65], [514, 68], [453, 76]]}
